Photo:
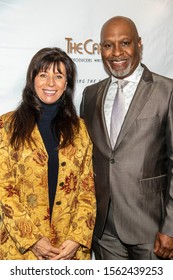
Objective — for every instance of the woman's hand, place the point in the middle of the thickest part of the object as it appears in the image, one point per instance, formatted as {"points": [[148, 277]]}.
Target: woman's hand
{"points": [[43, 249], [67, 250]]}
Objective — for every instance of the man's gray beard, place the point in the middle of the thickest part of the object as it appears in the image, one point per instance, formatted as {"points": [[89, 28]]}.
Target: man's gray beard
{"points": [[120, 73]]}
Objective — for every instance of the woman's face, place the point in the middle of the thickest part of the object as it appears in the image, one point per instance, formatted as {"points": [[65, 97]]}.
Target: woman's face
{"points": [[51, 84]]}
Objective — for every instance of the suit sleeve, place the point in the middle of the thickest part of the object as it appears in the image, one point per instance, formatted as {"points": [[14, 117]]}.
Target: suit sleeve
{"points": [[167, 226], [82, 104]]}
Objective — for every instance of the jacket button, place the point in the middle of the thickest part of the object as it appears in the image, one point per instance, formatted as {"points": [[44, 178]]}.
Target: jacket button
{"points": [[58, 203], [112, 161]]}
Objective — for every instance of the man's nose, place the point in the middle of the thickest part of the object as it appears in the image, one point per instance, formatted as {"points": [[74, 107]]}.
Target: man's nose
{"points": [[117, 50]]}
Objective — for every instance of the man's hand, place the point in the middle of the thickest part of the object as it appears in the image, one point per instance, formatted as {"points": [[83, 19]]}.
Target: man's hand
{"points": [[163, 246]]}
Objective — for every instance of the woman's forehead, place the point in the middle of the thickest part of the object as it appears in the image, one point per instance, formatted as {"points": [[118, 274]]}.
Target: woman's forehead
{"points": [[56, 66]]}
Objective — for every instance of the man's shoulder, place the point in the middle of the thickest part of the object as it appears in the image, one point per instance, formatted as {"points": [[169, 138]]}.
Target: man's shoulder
{"points": [[156, 76], [162, 78]]}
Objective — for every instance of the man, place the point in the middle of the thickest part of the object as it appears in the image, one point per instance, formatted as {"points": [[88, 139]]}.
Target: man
{"points": [[133, 177]]}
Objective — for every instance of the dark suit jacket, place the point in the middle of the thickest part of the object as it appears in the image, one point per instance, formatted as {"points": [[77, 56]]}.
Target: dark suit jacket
{"points": [[137, 174]]}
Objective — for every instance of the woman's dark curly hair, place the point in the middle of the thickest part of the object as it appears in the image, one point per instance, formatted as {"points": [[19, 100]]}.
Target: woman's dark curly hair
{"points": [[66, 122]]}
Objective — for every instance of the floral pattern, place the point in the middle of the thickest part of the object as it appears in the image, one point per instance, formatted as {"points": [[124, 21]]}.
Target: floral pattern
{"points": [[24, 202]]}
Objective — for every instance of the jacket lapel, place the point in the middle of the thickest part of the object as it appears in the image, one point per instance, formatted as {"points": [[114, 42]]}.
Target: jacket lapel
{"points": [[99, 128], [143, 93]]}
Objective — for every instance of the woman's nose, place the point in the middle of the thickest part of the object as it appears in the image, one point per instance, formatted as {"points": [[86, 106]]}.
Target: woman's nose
{"points": [[50, 81]]}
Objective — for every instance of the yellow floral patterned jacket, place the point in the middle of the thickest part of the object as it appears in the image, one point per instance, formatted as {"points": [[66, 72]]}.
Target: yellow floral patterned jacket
{"points": [[24, 203]]}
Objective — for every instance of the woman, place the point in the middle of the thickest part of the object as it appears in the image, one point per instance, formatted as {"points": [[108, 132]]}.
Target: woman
{"points": [[47, 197]]}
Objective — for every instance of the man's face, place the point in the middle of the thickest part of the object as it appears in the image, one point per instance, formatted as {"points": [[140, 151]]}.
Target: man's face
{"points": [[120, 48]]}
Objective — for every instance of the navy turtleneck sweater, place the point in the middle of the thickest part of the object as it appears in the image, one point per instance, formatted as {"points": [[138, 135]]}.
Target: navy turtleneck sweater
{"points": [[51, 144]]}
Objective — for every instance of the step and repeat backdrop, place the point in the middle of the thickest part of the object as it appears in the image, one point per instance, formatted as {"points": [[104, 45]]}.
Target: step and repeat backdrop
{"points": [[27, 26]]}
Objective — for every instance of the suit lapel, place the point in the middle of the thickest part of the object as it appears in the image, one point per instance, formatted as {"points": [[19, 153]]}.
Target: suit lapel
{"points": [[99, 128], [143, 93]]}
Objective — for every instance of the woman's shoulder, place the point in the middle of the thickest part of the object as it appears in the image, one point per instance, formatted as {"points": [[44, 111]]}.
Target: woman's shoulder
{"points": [[82, 128], [6, 116], [5, 119], [82, 124]]}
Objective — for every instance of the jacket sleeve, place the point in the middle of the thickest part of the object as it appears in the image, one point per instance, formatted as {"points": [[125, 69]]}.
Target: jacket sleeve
{"points": [[85, 208], [13, 215]]}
